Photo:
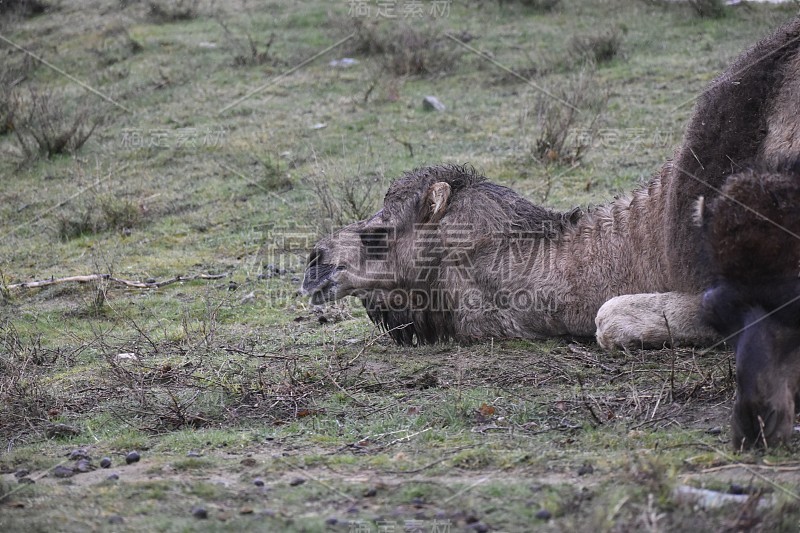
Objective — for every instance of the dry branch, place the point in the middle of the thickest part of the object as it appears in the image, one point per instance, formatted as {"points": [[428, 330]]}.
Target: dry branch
{"points": [[109, 278]]}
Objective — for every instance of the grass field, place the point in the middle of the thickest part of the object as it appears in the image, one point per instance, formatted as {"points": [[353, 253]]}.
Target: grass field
{"points": [[224, 144]]}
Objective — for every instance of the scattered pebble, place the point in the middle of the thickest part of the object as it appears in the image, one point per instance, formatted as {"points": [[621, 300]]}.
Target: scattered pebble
{"points": [[199, 512], [246, 510], [115, 519], [353, 510], [297, 481], [248, 461], [544, 514], [431, 103], [193, 453], [258, 482], [332, 521], [105, 462], [132, 457], [79, 453], [113, 477], [480, 527], [62, 471], [418, 502], [25, 481], [714, 431], [370, 492], [343, 62], [585, 469], [22, 473]]}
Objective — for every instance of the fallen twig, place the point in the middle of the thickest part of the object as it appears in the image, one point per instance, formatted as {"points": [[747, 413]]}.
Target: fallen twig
{"points": [[109, 278]]}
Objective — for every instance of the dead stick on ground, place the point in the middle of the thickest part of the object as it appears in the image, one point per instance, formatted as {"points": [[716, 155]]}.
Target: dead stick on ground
{"points": [[374, 340], [107, 277]]}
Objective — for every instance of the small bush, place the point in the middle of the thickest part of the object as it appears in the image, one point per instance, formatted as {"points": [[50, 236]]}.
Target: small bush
{"points": [[24, 8], [248, 54], [43, 125], [166, 11], [403, 49], [708, 8], [116, 45], [13, 72], [541, 6], [578, 103], [97, 214], [341, 199], [599, 48]]}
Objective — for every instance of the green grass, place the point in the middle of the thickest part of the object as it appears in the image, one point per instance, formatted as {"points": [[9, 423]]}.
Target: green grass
{"points": [[245, 374]]}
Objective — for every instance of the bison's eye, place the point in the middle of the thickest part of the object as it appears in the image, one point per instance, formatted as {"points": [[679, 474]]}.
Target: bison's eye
{"points": [[376, 242]]}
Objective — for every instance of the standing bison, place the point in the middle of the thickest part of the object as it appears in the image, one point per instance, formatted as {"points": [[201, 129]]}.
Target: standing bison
{"points": [[753, 235]]}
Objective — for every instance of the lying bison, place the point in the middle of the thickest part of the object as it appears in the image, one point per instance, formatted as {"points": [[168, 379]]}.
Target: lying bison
{"points": [[452, 256], [753, 234]]}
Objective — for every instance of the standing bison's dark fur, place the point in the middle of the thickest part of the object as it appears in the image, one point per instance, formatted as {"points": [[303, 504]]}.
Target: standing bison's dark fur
{"points": [[753, 234]]}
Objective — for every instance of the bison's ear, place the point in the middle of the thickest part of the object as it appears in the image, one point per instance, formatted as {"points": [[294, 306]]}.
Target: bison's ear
{"points": [[435, 202]]}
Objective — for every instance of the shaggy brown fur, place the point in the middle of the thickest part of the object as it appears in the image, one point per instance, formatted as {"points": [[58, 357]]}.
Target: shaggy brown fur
{"points": [[459, 258], [753, 236]]}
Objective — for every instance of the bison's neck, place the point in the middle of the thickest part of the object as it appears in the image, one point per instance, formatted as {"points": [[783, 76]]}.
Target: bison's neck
{"points": [[615, 249]]}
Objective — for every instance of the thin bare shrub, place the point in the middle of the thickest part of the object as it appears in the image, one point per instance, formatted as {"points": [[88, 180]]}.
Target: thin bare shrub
{"points": [[166, 11], [575, 106], [45, 126], [599, 48], [341, 199], [404, 49]]}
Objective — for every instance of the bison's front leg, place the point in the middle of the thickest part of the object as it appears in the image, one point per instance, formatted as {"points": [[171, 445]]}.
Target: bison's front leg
{"points": [[652, 320]]}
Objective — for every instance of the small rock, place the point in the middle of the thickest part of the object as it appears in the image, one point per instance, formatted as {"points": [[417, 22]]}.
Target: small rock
{"points": [[319, 126], [714, 431], [199, 512], [246, 510], [115, 519], [25, 481], [113, 477], [232, 285], [83, 466], [248, 461], [105, 462], [418, 502], [431, 103], [62, 471], [480, 527], [322, 319], [258, 482], [353, 510], [127, 356], [332, 521], [370, 492], [297, 481], [21, 473], [544, 514], [193, 453], [343, 62], [132, 457], [586, 469]]}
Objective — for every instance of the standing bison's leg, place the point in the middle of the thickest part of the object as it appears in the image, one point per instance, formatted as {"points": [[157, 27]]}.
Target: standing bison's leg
{"points": [[652, 320]]}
